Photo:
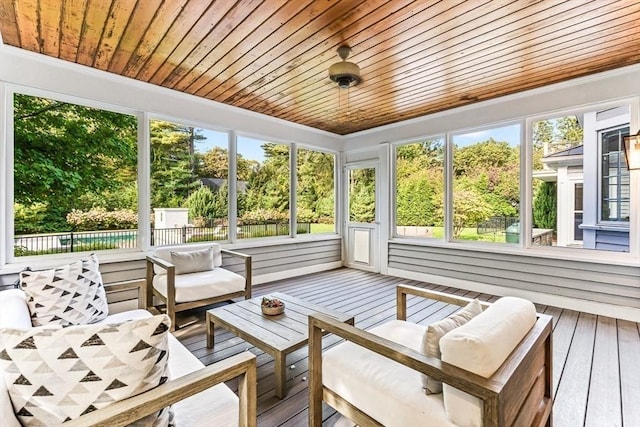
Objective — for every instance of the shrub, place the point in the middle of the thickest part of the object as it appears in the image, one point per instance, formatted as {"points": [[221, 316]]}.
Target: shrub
{"points": [[545, 208], [101, 219], [306, 215], [264, 216], [202, 203], [29, 219]]}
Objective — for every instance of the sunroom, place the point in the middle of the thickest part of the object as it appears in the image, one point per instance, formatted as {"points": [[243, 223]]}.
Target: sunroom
{"points": [[476, 148]]}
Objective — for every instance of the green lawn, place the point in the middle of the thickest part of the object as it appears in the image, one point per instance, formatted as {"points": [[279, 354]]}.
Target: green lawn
{"points": [[471, 234], [322, 228]]}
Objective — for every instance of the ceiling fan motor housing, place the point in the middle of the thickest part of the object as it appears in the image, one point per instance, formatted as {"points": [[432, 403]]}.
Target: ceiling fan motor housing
{"points": [[346, 74]]}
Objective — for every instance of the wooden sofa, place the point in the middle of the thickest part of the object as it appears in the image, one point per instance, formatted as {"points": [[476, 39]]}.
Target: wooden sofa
{"points": [[518, 393], [197, 393]]}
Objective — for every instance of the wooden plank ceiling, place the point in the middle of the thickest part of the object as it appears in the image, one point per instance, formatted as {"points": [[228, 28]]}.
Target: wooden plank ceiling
{"points": [[272, 56]]}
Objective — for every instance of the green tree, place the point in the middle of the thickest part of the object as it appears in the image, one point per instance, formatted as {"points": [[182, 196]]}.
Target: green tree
{"points": [[172, 163], [268, 186], [420, 183], [315, 189], [568, 129], [542, 136], [215, 164], [545, 209], [362, 200], [201, 203], [64, 151], [480, 156], [469, 209]]}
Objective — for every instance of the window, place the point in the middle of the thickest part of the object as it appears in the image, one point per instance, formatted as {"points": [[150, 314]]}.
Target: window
{"points": [[558, 181], [614, 188], [581, 194], [263, 188], [419, 177], [486, 189], [362, 194], [315, 210], [75, 177], [189, 192]]}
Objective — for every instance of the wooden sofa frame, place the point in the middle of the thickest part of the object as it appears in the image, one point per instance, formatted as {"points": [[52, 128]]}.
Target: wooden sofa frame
{"points": [[125, 412], [518, 393], [170, 300], [241, 366]]}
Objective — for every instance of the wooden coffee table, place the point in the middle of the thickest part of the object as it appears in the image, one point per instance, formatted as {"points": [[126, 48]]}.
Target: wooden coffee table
{"points": [[276, 335]]}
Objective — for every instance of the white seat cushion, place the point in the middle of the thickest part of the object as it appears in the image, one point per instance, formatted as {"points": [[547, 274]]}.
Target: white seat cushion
{"points": [[387, 391], [201, 285]]}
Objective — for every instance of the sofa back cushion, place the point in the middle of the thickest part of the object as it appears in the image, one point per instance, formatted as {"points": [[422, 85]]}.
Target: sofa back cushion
{"points": [[72, 294], [436, 330], [481, 346], [164, 253], [54, 373], [192, 261]]}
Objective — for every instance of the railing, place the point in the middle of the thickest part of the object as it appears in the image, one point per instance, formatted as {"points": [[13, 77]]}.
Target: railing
{"points": [[496, 224], [55, 243]]}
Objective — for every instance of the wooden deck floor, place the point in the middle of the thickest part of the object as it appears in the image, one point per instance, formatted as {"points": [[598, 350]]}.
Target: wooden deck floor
{"points": [[596, 359]]}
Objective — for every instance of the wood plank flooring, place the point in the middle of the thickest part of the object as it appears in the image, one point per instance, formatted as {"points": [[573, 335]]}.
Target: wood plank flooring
{"points": [[596, 359]]}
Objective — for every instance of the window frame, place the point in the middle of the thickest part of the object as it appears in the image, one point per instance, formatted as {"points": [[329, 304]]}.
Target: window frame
{"points": [[143, 117], [7, 158], [393, 185], [620, 167], [449, 205]]}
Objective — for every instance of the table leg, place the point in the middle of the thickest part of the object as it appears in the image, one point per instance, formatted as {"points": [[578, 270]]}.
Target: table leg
{"points": [[209, 332], [281, 374]]}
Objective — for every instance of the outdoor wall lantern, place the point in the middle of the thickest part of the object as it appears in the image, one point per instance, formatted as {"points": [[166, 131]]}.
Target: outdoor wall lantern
{"points": [[632, 151]]}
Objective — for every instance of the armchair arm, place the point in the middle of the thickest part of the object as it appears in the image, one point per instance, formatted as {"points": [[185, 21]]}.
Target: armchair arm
{"points": [[171, 280], [471, 383], [403, 290], [139, 284], [247, 268], [127, 411], [151, 260]]}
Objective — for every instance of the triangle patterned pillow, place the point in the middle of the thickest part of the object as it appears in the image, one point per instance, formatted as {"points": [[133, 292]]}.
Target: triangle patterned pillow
{"points": [[55, 373], [72, 294]]}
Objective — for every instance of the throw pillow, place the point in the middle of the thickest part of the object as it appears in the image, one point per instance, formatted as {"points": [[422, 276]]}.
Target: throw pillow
{"points": [[193, 261], [436, 330], [72, 294], [55, 373]]}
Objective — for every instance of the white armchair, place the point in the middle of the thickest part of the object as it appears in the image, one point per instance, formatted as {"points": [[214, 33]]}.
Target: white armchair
{"points": [[187, 277], [495, 370]]}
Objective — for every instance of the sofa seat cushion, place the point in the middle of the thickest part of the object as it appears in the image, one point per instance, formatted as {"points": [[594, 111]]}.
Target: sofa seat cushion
{"points": [[216, 406], [481, 346], [54, 374], [385, 390], [201, 285]]}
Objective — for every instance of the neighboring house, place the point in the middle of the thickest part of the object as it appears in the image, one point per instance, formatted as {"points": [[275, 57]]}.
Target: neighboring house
{"points": [[593, 184], [216, 183]]}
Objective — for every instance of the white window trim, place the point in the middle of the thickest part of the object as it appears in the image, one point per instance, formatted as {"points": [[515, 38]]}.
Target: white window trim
{"points": [[600, 222], [10, 263]]}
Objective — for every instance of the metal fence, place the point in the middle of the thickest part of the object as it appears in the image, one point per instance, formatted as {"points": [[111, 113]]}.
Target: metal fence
{"points": [[496, 224], [55, 243]]}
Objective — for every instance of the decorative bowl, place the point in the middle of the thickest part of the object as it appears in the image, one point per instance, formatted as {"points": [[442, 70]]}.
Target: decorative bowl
{"points": [[272, 306], [272, 311]]}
